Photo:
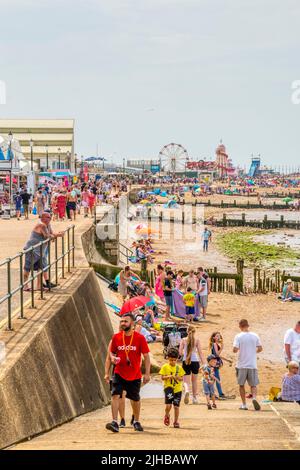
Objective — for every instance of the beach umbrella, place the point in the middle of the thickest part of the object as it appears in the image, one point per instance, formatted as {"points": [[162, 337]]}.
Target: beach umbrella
{"points": [[146, 231], [140, 226], [287, 199], [134, 304]]}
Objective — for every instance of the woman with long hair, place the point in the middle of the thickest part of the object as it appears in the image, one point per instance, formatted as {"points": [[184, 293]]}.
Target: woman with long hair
{"points": [[159, 282], [191, 352], [216, 347]]}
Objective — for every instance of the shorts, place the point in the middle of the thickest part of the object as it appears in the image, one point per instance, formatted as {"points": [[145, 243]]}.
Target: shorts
{"points": [[249, 375], [72, 206], [132, 387], [203, 300], [208, 389], [37, 263], [169, 300], [190, 310], [172, 398], [193, 368]]}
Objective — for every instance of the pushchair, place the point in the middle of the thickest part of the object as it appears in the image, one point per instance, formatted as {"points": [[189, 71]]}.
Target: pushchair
{"points": [[172, 336]]}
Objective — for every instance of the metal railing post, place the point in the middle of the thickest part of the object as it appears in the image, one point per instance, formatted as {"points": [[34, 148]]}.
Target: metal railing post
{"points": [[41, 275], [49, 263], [63, 256], [9, 326], [68, 246], [21, 288], [32, 279], [73, 246], [56, 262]]}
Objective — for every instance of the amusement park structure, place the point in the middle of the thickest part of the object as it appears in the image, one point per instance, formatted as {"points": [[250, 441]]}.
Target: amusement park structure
{"points": [[221, 166], [174, 158]]}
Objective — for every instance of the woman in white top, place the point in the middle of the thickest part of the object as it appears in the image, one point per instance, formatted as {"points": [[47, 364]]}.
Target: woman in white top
{"points": [[191, 352]]}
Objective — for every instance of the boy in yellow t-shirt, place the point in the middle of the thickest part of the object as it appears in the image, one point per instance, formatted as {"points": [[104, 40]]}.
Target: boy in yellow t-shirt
{"points": [[172, 376], [189, 302]]}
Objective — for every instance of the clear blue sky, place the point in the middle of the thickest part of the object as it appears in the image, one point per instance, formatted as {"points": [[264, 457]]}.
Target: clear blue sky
{"points": [[138, 74]]}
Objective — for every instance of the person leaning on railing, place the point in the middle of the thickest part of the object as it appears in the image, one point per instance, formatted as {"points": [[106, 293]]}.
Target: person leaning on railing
{"points": [[41, 232]]}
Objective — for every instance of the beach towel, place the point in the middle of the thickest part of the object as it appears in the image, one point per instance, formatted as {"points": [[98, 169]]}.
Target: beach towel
{"points": [[115, 308], [179, 306]]}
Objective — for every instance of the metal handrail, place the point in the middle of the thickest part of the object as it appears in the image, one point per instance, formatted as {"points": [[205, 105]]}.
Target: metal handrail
{"points": [[45, 251], [128, 250]]}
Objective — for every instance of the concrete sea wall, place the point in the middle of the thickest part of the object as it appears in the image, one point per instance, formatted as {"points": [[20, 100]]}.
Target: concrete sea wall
{"points": [[59, 374]]}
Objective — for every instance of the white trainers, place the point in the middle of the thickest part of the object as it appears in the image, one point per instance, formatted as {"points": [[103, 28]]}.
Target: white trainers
{"points": [[195, 401], [243, 407], [186, 398]]}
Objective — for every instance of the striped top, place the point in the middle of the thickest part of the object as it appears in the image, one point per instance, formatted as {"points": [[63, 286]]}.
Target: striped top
{"points": [[291, 387]]}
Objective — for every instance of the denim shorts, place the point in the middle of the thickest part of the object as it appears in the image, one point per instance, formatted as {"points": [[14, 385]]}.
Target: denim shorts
{"points": [[169, 300], [208, 389], [189, 310]]}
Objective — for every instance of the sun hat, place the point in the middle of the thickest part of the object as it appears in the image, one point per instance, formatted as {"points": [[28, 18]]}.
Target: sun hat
{"points": [[289, 281]]}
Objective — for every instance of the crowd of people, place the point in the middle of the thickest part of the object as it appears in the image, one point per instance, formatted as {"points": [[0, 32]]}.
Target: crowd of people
{"points": [[65, 200], [180, 372]]}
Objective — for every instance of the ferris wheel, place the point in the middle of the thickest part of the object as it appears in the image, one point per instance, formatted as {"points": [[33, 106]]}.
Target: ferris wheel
{"points": [[173, 157]]}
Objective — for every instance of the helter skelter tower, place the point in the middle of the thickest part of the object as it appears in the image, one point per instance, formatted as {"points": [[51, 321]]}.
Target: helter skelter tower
{"points": [[222, 160]]}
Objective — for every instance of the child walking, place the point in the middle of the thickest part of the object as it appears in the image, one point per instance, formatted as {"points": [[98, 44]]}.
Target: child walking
{"points": [[189, 302], [216, 347], [209, 380], [172, 376]]}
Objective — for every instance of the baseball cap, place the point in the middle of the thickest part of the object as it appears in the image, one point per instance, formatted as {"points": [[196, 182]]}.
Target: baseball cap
{"points": [[211, 357]]}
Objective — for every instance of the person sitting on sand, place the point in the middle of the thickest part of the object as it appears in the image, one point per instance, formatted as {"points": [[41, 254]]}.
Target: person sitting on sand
{"points": [[288, 295], [291, 383], [151, 335]]}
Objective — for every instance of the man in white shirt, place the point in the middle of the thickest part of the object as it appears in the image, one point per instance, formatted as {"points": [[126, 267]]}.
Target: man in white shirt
{"points": [[247, 344], [292, 344]]}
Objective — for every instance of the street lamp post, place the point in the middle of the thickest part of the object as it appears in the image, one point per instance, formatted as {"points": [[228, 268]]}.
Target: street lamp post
{"points": [[31, 154], [47, 157], [124, 166], [75, 163], [10, 138], [59, 150], [69, 161]]}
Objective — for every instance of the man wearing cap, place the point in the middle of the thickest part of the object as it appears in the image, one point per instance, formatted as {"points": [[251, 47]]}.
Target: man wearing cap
{"points": [[247, 344]]}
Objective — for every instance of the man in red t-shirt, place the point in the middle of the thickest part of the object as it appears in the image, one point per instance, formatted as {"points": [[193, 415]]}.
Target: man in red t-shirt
{"points": [[128, 346]]}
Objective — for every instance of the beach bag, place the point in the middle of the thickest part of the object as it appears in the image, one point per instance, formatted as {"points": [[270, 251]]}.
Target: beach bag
{"points": [[34, 211], [273, 393]]}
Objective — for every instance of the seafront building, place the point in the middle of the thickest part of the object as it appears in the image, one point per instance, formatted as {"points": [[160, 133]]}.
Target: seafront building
{"points": [[48, 143]]}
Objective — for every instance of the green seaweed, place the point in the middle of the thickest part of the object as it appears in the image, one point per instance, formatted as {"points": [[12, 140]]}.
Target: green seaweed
{"points": [[240, 245]]}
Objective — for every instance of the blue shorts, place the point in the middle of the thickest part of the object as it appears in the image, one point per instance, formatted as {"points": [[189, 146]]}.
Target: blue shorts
{"points": [[208, 389], [190, 310], [169, 300]]}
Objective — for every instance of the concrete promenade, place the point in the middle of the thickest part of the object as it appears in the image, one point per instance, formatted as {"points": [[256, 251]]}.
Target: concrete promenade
{"points": [[276, 427], [13, 236]]}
